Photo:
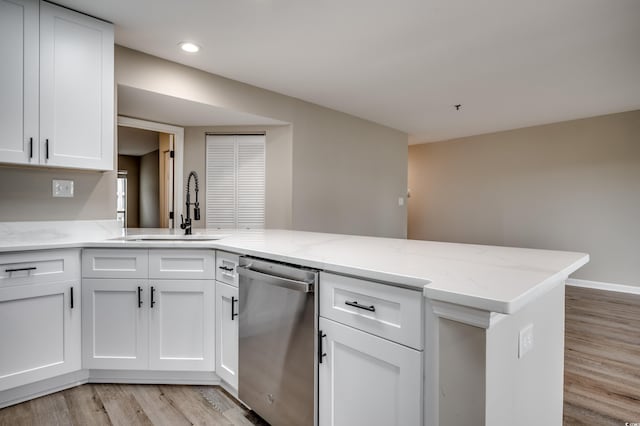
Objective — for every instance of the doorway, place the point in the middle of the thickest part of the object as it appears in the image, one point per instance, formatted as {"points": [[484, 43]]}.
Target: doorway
{"points": [[149, 173]]}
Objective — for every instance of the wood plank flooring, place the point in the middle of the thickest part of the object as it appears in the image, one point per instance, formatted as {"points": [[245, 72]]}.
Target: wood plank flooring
{"points": [[114, 404], [602, 358]]}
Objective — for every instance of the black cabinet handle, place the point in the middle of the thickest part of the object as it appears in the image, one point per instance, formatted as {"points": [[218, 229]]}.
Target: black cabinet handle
{"points": [[355, 304], [46, 148], [139, 297], [29, 268], [30, 147], [71, 298], [233, 307], [152, 292], [321, 353], [225, 268]]}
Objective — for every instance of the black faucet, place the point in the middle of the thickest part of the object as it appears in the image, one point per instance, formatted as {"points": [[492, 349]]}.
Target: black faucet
{"points": [[186, 223]]}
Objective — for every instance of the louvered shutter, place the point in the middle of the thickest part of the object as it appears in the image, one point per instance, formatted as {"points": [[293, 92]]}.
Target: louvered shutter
{"points": [[235, 181]]}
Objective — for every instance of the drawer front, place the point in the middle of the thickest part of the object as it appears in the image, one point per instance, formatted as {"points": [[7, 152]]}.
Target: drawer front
{"points": [[182, 264], [390, 312], [39, 266], [226, 267], [115, 263]]}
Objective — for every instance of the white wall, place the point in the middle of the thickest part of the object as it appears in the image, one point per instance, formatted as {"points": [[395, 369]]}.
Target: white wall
{"points": [[567, 186]]}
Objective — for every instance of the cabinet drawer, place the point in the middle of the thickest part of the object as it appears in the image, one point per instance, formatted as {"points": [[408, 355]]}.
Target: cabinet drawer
{"points": [[115, 263], [390, 312], [32, 267], [181, 264], [226, 267]]}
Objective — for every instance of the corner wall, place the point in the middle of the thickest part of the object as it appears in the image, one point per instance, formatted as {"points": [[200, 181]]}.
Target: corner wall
{"points": [[572, 186]]}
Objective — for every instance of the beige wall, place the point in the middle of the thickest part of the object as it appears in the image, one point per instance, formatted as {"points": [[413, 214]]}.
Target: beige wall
{"points": [[278, 169], [347, 173], [570, 186], [25, 195], [150, 190]]}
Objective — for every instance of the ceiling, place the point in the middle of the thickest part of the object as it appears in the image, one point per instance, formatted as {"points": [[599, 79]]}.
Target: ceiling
{"points": [[137, 142], [406, 63]]}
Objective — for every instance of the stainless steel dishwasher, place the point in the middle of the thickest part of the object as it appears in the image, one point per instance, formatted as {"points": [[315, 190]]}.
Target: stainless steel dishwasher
{"points": [[277, 360]]}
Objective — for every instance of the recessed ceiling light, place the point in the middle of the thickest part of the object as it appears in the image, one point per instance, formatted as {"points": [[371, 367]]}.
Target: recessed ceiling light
{"points": [[189, 47]]}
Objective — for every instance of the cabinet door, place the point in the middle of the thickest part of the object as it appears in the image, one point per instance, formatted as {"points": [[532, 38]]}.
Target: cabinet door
{"points": [[227, 333], [366, 380], [115, 324], [181, 325], [76, 90], [19, 81], [39, 331]]}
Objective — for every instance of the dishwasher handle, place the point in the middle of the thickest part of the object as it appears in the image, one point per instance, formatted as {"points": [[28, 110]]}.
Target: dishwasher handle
{"points": [[303, 286]]}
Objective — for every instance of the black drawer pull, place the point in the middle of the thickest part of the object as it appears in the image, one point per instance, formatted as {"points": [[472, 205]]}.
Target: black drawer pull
{"points": [[30, 268], [46, 148], [153, 290], [355, 304], [71, 298], [225, 268], [321, 353], [233, 307], [30, 147], [139, 297]]}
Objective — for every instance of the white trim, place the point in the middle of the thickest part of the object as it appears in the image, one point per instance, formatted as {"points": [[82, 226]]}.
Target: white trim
{"points": [[178, 161], [43, 387], [465, 314], [599, 285], [154, 377]]}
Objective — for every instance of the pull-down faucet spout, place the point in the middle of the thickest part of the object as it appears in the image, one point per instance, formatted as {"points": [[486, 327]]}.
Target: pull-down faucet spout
{"points": [[186, 223]]}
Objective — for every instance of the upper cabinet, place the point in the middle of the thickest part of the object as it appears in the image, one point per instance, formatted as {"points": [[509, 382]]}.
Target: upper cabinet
{"points": [[58, 76]]}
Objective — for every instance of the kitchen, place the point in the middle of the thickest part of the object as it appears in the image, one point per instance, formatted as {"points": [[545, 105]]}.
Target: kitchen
{"points": [[314, 188]]}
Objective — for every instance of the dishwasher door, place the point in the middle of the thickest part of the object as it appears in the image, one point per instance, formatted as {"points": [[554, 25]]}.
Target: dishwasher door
{"points": [[277, 367]]}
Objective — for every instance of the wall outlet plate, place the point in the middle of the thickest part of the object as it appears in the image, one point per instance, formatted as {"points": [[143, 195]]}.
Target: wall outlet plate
{"points": [[62, 188], [525, 341]]}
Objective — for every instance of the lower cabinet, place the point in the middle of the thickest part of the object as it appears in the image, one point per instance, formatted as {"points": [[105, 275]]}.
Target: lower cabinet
{"points": [[367, 380], [39, 332], [133, 324], [227, 333]]}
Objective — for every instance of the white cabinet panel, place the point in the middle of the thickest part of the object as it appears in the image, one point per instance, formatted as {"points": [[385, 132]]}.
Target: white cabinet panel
{"points": [[366, 380], [40, 332], [115, 263], [41, 266], [19, 81], [76, 90], [227, 333], [391, 312], [115, 322], [181, 264], [226, 264], [181, 325]]}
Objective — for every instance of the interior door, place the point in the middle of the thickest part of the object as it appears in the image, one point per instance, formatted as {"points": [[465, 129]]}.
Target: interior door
{"points": [[166, 179]]}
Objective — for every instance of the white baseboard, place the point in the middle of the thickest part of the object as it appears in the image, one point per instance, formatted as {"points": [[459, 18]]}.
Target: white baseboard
{"points": [[599, 285], [43, 387], [154, 377]]}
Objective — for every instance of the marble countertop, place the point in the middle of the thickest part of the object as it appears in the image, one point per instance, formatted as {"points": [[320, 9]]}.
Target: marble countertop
{"points": [[492, 278]]}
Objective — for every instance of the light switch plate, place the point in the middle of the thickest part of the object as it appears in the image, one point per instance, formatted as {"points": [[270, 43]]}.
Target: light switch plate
{"points": [[525, 341], [62, 188]]}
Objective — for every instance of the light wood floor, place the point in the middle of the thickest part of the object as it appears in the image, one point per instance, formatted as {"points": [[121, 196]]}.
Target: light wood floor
{"points": [[106, 404], [602, 358]]}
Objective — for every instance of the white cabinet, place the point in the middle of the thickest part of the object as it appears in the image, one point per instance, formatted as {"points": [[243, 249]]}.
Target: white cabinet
{"points": [[19, 81], [116, 324], [227, 333], [40, 319], [370, 353], [366, 380], [137, 322], [58, 77]]}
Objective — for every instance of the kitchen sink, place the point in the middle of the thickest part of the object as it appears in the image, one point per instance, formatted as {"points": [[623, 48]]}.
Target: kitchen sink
{"points": [[160, 237]]}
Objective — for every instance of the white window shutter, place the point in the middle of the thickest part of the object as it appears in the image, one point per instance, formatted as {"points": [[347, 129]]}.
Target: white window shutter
{"points": [[235, 181], [221, 182], [250, 181]]}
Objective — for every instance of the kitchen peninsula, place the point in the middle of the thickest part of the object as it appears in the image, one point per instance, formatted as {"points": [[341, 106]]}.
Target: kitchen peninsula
{"points": [[480, 308]]}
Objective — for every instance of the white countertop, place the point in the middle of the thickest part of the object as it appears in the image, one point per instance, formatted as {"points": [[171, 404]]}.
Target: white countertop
{"points": [[492, 278]]}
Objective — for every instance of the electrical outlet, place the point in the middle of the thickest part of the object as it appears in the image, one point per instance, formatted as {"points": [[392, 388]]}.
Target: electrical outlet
{"points": [[525, 341], [62, 188]]}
